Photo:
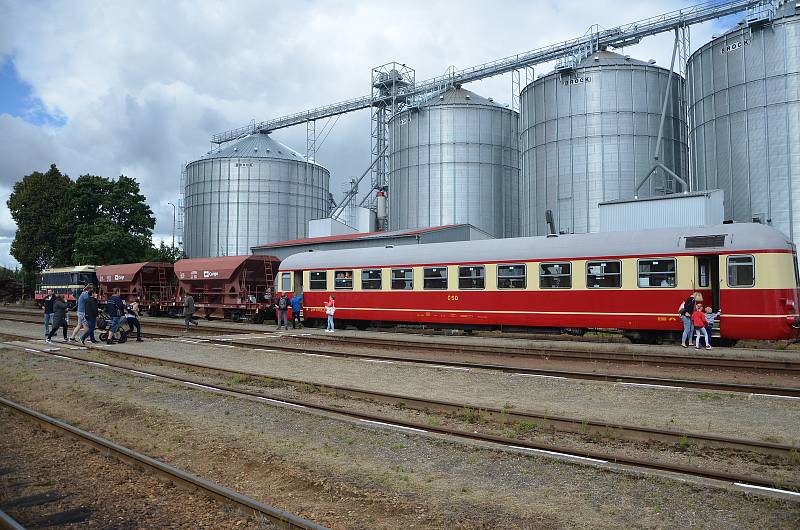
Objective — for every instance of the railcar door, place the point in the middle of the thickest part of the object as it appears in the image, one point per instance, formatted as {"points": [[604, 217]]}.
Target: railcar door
{"points": [[708, 278], [298, 282]]}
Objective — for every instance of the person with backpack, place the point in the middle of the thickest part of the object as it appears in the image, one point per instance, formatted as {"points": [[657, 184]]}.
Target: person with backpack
{"points": [[59, 318], [115, 308], [283, 307], [685, 310], [90, 313]]}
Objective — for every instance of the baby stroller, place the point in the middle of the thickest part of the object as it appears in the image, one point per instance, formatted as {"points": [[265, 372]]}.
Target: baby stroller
{"points": [[104, 325]]}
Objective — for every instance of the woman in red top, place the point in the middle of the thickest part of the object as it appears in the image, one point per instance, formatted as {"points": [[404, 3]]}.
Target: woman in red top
{"points": [[699, 322]]}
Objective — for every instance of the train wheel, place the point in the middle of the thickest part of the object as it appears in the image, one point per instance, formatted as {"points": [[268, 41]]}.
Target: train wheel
{"points": [[361, 325], [643, 337]]}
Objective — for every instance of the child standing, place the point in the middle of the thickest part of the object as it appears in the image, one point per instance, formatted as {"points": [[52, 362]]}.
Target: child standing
{"points": [[711, 317], [699, 322]]}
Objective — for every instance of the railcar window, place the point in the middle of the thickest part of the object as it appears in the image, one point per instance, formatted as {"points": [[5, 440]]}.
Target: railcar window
{"points": [[472, 277], [741, 271], [603, 274], [511, 276], [402, 279], [657, 272], [371, 279], [343, 279], [434, 278], [286, 281], [555, 275], [318, 281]]}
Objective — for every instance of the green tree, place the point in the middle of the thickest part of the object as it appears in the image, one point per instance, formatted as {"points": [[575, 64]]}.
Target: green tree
{"points": [[113, 223], [165, 253], [40, 207]]}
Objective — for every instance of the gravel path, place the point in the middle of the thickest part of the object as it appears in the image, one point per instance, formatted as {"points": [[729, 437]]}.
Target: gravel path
{"points": [[350, 476], [728, 414]]}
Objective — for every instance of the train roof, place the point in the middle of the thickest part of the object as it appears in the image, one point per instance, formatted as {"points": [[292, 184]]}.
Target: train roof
{"points": [[223, 267], [737, 237], [126, 271]]}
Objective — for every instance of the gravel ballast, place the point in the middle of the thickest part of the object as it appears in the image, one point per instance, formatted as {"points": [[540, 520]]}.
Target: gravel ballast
{"points": [[351, 476]]}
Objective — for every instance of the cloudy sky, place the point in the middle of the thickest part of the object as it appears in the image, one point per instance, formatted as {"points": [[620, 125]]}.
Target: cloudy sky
{"points": [[137, 88]]}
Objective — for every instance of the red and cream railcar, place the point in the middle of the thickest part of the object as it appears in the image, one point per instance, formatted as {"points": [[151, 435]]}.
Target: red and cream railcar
{"points": [[632, 281]]}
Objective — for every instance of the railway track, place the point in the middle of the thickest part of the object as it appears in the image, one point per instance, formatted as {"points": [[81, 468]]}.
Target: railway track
{"points": [[241, 503], [577, 351], [568, 424], [765, 390]]}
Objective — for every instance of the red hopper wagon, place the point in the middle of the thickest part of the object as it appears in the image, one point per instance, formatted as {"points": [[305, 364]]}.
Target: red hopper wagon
{"points": [[233, 287], [151, 283]]}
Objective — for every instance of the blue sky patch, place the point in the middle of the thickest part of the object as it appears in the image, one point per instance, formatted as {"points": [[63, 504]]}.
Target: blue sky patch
{"points": [[17, 99]]}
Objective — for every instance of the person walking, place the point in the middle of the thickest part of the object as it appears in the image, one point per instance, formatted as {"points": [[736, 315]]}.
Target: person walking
{"points": [[81, 311], [685, 310], [59, 318], [297, 307], [283, 307], [330, 309], [47, 303], [115, 308], [188, 311], [90, 313], [699, 322]]}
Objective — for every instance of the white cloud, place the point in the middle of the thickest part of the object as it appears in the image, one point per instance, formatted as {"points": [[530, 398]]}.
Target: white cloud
{"points": [[143, 85]]}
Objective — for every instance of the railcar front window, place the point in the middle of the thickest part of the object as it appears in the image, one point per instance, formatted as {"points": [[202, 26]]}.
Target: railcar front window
{"points": [[434, 278], [343, 279], [511, 276], [657, 272], [371, 279], [555, 275], [318, 281], [402, 279], [603, 274], [741, 271], [471, 277], [286, 282]]}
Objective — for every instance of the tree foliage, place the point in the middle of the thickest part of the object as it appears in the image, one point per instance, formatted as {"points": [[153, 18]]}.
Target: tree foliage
{"points": [[93, 220], [39, 205], [165, 253]]}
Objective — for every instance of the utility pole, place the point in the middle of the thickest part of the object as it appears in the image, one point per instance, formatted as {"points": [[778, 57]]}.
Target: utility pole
{"points": [[173, 228]]}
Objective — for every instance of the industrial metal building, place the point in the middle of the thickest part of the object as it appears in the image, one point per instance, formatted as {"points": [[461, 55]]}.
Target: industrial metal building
{"points": [[250, 191], [455, 159], [439, 234], [589, 135], [744, 119]]}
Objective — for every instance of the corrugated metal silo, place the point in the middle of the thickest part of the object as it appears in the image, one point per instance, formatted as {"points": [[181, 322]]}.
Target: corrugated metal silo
{"points": [[252, 192], [744, 117], [588, 135], [455, 159]]}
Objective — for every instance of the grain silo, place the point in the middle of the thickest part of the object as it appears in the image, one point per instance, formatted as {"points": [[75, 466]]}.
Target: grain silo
{"points": [[588, 135], [250, 192], [455, 159], [744, 118]]}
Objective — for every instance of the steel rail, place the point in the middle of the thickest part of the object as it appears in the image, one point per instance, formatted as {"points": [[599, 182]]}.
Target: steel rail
{"points": [[8, 523], [625, 34], [186, 480], [741, 480], [778, 391]]}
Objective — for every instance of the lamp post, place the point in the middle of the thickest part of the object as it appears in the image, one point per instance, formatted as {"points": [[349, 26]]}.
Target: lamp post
{"points": [[173, 227]]}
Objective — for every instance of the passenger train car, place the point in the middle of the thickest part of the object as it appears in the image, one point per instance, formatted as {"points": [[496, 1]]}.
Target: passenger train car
{"points": [[631, 281]]}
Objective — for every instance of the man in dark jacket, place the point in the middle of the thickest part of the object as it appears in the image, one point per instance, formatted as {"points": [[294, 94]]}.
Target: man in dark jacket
{"points": [[115, 308], [90, 313], [283, 307], [59, 318], [48, 311]]}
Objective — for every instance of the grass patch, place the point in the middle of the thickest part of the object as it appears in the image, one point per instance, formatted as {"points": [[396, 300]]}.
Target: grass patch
{"points": [[433, 421], [521, 428]]}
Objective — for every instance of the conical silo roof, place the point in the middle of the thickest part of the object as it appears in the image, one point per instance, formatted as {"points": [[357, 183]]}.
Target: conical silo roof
{"points": [[256, 145]]}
